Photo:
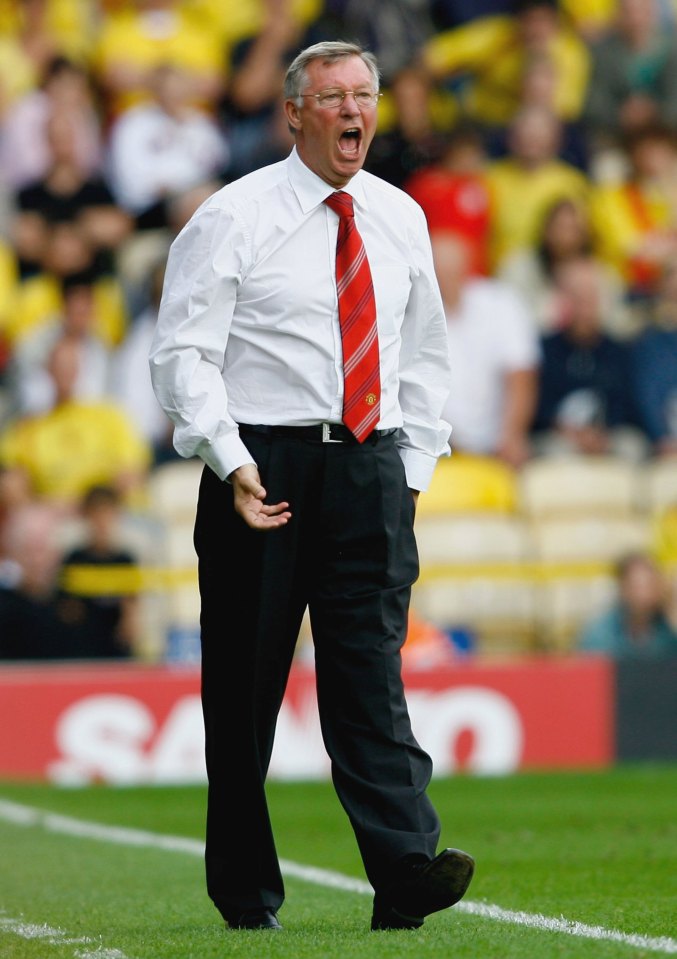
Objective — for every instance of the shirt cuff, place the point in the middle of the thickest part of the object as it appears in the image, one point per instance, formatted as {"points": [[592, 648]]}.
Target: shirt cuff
{"points": [[225, 454], [418, 468]]}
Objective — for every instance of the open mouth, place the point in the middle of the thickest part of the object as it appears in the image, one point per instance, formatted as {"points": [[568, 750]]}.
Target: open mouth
{"points": [[349, 142]]}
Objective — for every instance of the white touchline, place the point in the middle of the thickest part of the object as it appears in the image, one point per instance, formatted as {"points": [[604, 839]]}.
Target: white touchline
{"points": [[21, 815]]}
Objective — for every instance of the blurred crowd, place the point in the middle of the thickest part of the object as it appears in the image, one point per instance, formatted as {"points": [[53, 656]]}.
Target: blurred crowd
{"points": [[539, 137]]}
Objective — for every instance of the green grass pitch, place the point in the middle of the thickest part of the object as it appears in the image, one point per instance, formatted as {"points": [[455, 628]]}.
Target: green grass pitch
{"points": [[597, 848]]}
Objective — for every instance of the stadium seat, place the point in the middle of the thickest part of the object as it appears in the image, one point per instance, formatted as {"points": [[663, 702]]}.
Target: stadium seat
{"points": [[472, 537], [659, 485], [463, 482], [565, 603], [182, 598], [665, 540], [595, 537], [565, 485], [172, 498], [173, 488], [500, 610], [179, 550]]}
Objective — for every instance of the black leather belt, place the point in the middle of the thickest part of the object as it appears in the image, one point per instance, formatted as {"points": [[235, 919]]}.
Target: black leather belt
{"points": [[318, 433]]}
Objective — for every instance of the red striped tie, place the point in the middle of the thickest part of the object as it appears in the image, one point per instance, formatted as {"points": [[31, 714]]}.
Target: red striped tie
{"points": [[357, 319]]}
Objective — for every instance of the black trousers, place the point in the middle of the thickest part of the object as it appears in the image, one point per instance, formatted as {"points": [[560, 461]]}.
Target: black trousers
{"points": [[349, 555]]}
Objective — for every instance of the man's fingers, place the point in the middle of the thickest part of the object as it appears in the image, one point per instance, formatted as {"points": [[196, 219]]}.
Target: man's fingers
{"points": [[278, 508], [270, 517], [270, 522], [249, 495], [263, 516], [262, 522]]}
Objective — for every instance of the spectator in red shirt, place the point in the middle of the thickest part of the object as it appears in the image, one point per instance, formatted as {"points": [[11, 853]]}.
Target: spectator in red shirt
{"points": [[454, 195]]}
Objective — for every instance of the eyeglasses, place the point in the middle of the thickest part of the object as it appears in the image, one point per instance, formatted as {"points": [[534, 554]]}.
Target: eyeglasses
{"points": [[330, 99]]}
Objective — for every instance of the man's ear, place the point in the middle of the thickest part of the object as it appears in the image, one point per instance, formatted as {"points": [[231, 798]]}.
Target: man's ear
{"points": [[293, 114]]}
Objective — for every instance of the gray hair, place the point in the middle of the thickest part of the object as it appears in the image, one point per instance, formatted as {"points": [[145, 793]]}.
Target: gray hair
{"points": [[329, 51]]}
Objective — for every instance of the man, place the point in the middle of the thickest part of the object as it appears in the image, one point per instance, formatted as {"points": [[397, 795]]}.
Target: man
{"points": [[31, 384], [584, 404], [633, 83], [490, 55], [653, 369], [637, 625], [163, 148], [494, 354], [75, 444], [524, 184], [283, 362]]}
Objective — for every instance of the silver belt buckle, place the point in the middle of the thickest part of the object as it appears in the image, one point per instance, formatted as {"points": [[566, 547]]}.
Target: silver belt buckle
{"points": [[326, 434]]}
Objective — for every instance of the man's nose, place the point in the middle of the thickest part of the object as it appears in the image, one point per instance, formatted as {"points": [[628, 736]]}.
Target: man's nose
{"points": [[349, 104]]}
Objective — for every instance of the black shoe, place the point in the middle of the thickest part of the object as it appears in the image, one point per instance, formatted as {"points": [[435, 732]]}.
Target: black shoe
{"points": [[385, 917], [428, 887], [261, 918]]}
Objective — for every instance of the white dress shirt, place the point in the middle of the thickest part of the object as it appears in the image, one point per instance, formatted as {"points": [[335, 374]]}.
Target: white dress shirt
{"points": [[248, 329]]}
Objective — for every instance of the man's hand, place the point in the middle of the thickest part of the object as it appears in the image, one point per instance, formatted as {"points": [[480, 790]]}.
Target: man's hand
{"points": [[513, 450], [591, 440], [249, 495]]}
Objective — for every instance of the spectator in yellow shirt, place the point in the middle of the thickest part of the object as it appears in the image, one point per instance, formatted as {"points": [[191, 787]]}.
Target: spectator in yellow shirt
{"points": [[487, 58], [75, 445], [32, 34], [47, 28], [591, 19], [635, 220], [525, 184], [133, 42], [233, 20]]}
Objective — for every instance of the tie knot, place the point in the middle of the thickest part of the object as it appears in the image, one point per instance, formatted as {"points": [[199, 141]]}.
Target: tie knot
{"points": [[341, 203]]}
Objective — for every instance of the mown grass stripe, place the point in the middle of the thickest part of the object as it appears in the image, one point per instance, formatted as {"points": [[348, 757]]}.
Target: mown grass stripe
{"points": [[28, 816]]}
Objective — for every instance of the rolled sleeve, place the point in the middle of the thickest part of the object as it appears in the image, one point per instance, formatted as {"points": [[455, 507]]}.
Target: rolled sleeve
{"points": [[204, 270]]}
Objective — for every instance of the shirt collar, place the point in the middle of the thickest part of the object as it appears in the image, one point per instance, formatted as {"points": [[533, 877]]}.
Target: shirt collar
{"points": [[311, 190]]}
